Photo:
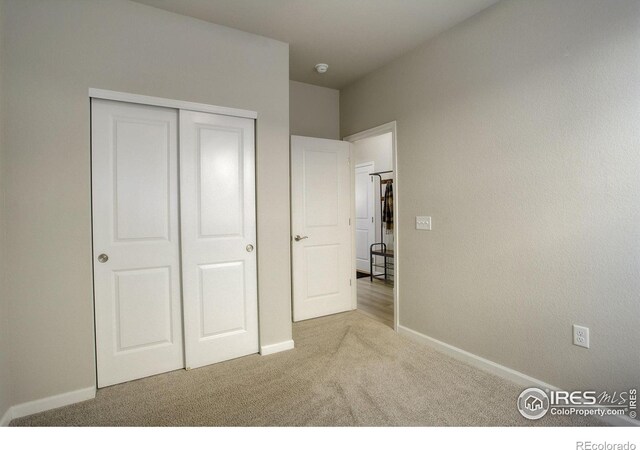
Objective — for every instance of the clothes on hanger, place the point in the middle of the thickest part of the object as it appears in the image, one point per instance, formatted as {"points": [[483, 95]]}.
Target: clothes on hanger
{"points": [[387, 212]]}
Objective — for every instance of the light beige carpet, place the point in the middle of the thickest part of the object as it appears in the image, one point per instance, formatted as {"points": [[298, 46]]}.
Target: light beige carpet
{"points": [[346, 370]]}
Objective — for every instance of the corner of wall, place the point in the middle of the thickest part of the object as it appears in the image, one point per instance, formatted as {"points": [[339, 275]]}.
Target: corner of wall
{"points": [[5, 368]]}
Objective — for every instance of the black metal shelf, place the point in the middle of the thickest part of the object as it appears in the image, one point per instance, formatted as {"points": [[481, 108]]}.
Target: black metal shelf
{"points": [[387, 265]]}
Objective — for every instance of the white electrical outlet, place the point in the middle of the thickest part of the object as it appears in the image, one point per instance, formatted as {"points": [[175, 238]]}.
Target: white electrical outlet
{"points": [[581, 336], [423, 223]]}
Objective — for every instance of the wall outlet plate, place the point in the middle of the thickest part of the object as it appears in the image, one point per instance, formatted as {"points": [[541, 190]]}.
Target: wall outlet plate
{"points": [[423, 223], [581, 336]]}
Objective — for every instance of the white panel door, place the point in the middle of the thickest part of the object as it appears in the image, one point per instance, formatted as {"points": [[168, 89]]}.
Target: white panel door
{"points": [[219, 272], [365, 210], [136, 240], [321, 244]]}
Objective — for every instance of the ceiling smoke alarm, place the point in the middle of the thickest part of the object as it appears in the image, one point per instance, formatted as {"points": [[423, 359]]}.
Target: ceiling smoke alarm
{"points": [[322, 67]]}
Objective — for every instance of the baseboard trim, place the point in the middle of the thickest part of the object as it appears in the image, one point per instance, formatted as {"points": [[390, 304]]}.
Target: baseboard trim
{"points": [[475, 360], [276, 348], [514, 376], [620, 421], [55, 401], [6, 418]]}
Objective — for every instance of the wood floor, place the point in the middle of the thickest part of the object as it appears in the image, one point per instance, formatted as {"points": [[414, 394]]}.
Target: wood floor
{"points": [[375, 299]]}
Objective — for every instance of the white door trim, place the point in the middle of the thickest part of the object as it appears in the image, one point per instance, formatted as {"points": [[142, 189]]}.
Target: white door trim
{"points": [[390, 127], [167, 103]]}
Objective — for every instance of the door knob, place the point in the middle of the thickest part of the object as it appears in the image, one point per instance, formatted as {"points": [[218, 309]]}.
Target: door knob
{"points": [[249, 248], [103, 258], [299, 238]]}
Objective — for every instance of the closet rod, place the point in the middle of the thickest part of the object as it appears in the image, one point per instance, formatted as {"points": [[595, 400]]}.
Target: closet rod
{"points": [[380, 173]]}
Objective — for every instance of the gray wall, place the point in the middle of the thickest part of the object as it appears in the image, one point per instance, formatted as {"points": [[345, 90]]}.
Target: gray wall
{"points": [[314, 111], [54, 52], [518, 131], [5, 375]]}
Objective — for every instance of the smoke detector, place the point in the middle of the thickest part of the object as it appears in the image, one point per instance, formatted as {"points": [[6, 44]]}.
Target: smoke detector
{"points": [[322, 67]]}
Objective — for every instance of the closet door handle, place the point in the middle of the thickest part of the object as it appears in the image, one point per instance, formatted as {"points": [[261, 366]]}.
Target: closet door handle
{"points": [[299, 238]]}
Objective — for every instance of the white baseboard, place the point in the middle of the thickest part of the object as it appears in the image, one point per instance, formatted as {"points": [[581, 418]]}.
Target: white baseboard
{"points": [[6, 418], [620, 421], [475, 360], [514, 376], [276, 348], [44, 404]]}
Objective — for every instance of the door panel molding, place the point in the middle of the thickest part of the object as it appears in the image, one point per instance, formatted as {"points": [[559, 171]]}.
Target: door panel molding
{"points": [[153, 225], [218, 230], [138, 310], [321, 204]]}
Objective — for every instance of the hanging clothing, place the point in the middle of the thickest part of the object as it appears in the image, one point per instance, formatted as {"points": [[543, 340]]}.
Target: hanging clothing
{"points": [[387, 212]]}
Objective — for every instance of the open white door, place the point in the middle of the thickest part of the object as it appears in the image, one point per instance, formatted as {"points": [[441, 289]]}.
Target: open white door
{"points": [[218, 218], [135, 240], [322, 240], [365, 211]]}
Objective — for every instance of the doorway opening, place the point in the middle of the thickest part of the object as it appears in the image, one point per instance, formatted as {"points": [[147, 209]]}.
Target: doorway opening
{"points": [[375, 214]]}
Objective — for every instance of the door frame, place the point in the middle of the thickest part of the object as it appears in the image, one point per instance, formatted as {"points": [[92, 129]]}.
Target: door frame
{"points": [[168, 103], [390, 127], [372, 204], [127, 97]]}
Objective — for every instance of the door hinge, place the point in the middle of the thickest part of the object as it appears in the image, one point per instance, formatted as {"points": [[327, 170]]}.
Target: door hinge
{"points": [[350, 281], [349, 221], [372, 220]]}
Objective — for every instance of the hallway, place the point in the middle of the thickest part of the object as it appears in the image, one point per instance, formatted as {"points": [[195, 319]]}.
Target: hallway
{"points": [[375, 299]]}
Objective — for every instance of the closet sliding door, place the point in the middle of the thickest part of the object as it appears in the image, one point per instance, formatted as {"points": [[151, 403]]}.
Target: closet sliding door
{"points": [[136, 240], [218, 226], [174, 233]]}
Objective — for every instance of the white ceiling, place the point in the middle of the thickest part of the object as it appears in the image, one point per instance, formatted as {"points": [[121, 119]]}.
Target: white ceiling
{"points": [[354, 37]]}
